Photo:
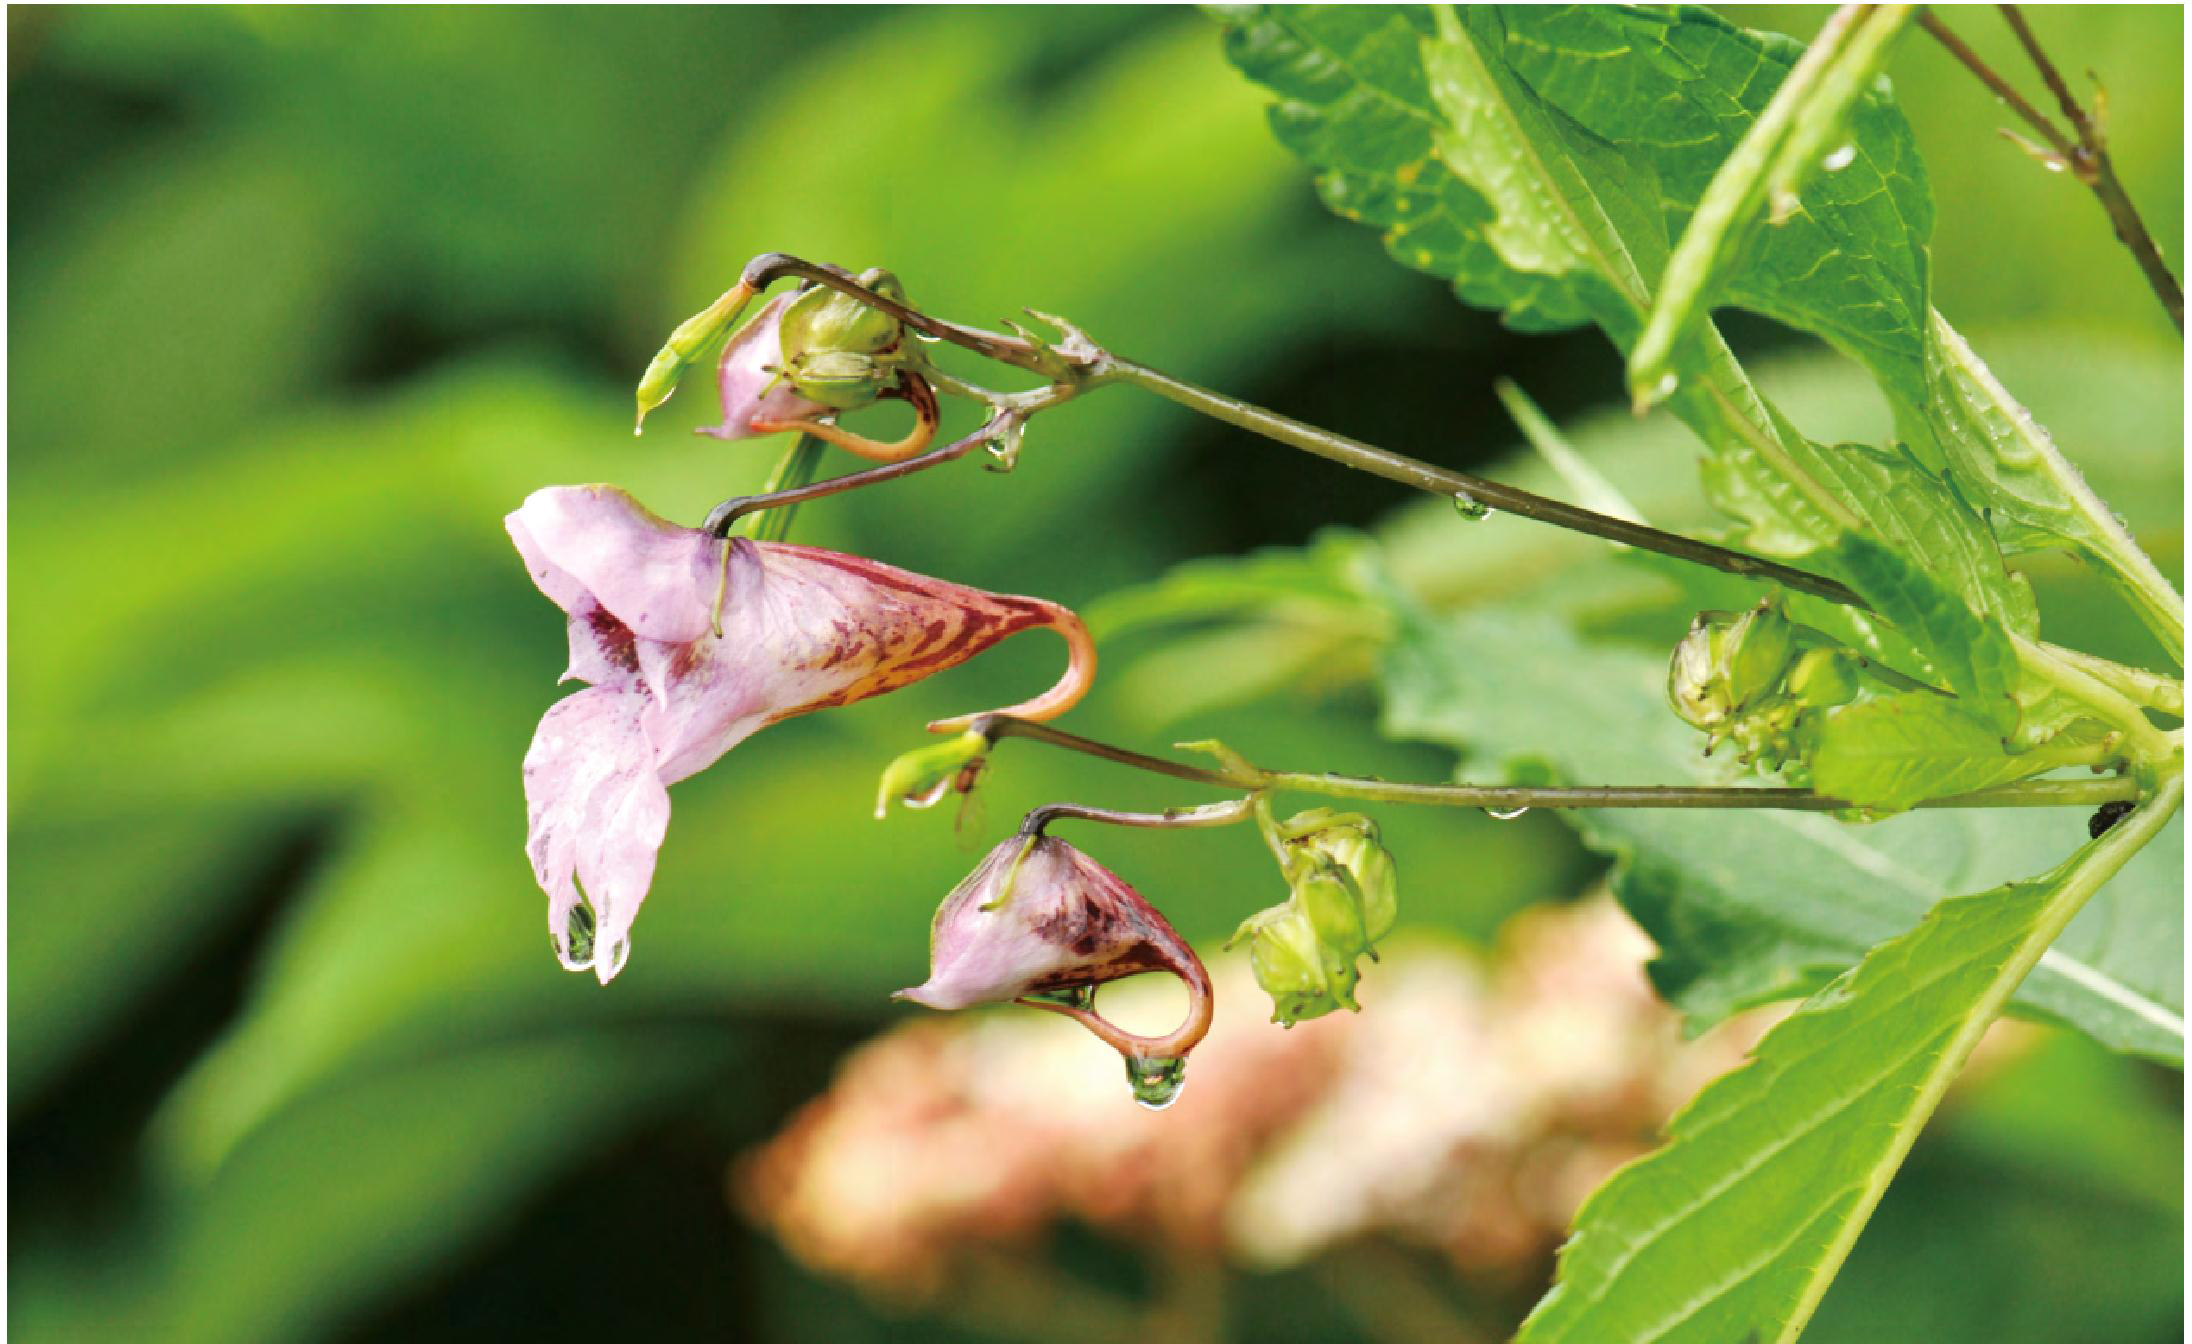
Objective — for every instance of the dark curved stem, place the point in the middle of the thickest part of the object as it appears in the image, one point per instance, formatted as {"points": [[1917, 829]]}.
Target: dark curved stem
{"points": [[773, 266], [723, 515], [1171, 819]]}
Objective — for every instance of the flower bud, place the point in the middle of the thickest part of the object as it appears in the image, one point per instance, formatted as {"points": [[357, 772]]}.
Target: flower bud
{"points": [[1306, 951], [1349, 841], [1284, 953], [1694, 684], [1756, 652], [921, 776], [839, 351], [1723, 666]]}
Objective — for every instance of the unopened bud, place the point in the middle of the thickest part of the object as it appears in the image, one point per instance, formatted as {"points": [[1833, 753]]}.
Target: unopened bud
{"points": [[1349, 842], [1756, 652], [840, 351], [1694, 684], [921, 777], [1289, 964]]}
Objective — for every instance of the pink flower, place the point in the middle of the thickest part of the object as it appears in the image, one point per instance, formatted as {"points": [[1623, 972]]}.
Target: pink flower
{"points": [[757, 397], [1040, 917], [802, 629]]}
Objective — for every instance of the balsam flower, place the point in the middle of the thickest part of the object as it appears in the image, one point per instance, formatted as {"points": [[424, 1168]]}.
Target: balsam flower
{"points": [[671, 691], [1039, 917]]}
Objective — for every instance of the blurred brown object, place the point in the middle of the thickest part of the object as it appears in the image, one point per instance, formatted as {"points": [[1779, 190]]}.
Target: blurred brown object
{"points": [[1468, 1108]]}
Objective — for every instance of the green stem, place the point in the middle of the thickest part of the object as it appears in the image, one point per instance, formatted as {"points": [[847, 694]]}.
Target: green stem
{"points": [[1462, 486], [2082, 876], [2148, 744], [2148, 689], [795, 469], [1508, 798]]}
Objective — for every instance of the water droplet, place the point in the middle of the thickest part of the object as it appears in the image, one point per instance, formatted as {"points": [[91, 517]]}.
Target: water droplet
{"points": [[578, 931], [1470, 507], [2054, 164], [1665, 387], [1082, 997], [925, 338], [1504, 813], [1156, 1082], [1839, 159]]}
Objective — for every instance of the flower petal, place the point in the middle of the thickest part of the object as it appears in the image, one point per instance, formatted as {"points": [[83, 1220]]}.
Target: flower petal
{"points": [[595, 543], [1063, 920], [749, 381], [596, 813]]}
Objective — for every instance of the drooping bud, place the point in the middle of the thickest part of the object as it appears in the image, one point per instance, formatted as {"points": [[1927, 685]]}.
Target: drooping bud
{"points": [[1289, 966], [1726, 665], [1757, 652], [1349, 841], [1040, 918], [1306, 951], [1694, 685], [921, 777]]}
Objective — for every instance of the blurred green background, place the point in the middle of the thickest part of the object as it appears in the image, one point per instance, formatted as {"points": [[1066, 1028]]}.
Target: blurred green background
{"points": [[303, 301]]}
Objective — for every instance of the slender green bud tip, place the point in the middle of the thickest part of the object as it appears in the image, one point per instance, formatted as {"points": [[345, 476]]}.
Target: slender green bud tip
{"points": [[922, 777]]}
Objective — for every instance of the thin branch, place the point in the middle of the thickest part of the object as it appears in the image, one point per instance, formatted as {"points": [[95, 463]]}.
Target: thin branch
{"points": [[1511, 798], [1076, 365], [2002, 88], [1473, 490], [2086, 156]]}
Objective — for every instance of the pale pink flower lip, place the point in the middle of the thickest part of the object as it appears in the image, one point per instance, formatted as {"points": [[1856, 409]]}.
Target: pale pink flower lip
{"points": [[1040, 915], [749, 379], [802, 629]]}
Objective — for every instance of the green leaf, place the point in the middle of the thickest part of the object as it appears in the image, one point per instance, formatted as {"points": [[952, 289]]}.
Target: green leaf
{"points": [[1685, 86], [1356, 105], [1974, 656], [1737, 1226], [2034, 496], [1755, 906], [1902, 749], [1811, 107]]}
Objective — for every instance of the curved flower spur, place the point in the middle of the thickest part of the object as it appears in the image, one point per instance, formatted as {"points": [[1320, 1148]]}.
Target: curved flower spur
{"points": [[1041, 923], [691, 644]]}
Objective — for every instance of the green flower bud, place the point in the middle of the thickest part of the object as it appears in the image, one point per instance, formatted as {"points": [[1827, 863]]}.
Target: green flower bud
{"points": [[840, 351], [1756, 652], [922, 776], [1289, 965], [1334, 910], [1349, 842], [1695, 686], [838, 379], [822, 318]]}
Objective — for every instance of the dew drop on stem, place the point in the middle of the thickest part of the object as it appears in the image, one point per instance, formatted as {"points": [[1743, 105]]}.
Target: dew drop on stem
{"points": [[1470, 507], [1504, 813], [1156, 1082]]}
